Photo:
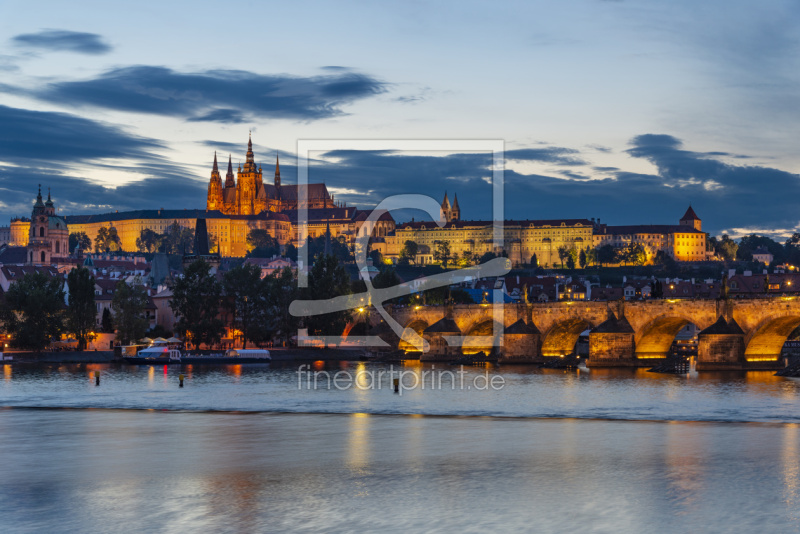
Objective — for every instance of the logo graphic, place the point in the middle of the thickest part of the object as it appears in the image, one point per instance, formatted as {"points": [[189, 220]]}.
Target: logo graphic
{"points": [[377, 297]]}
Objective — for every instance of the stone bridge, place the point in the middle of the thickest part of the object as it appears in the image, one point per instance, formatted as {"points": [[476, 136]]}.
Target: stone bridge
{"points": [[735, 334]]}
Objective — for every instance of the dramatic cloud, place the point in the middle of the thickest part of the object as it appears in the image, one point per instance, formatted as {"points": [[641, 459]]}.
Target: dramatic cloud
{"points": [[33, 137], [229, 96], [63, 41], [53, 149]]}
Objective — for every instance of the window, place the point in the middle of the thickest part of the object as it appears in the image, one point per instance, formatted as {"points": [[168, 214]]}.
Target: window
{"points": [[41, 231], [43, 256]]}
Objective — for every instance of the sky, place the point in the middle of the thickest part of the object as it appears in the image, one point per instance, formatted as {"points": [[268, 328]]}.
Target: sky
{"points": [[619, 110]]}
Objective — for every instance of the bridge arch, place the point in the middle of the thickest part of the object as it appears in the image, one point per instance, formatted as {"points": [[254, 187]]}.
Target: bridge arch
{"points": [[765, 342], [560, 339], [418, 326], [485, 328], [655, 338]]}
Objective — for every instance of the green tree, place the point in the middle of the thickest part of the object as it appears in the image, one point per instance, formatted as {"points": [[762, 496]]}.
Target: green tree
{"points": [[106, 323], [749, 243], [81, 311], [442, 253], [634, 254], [177, 240], [148, 241], [410, 251], [79, 240], [606, 254], [260, 244], [534, 261], [573, 256], [107, 240], [377, 258], [386, 278], [129, 307], [34, 310], [290, 252], [247, 300], [196, 300], [563, 254], [582, 259], [327, 279], [726, 248], [281, 291]]}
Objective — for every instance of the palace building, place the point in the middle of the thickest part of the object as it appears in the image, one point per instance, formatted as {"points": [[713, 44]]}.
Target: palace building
{"points": [[238, 205], [684, 241]]}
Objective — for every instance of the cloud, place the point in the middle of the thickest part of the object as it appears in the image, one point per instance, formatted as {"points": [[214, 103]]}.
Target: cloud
{"points": [[230, 96], [557, 155], [63, 41], [58, 149], [33, 137]]}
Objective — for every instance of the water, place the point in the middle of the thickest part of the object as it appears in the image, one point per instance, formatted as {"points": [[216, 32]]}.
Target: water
{"points": [[550, 451]]}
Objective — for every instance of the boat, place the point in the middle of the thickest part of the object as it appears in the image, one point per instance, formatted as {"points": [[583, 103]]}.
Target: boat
{"points": [[171, 356]]}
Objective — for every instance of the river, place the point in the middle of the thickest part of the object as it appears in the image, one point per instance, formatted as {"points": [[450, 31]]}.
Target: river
{"points": [[254, 448]]}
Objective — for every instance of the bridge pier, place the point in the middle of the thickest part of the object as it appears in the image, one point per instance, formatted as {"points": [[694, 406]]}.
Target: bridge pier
{"points": [[521, 343], [721, 347], [611, 344], [435, 334]]}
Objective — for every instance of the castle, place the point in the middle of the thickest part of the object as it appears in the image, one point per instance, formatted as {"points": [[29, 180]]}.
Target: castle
{"points": [[249, 195]]}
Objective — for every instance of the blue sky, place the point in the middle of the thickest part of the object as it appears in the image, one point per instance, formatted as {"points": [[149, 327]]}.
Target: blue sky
{"points": [[626, 111]]}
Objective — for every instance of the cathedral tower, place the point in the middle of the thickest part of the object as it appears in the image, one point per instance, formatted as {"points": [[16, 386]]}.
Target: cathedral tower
{"points": [[455, 213], [214, 201], [277, 171], [249, 184], [49, 236]]}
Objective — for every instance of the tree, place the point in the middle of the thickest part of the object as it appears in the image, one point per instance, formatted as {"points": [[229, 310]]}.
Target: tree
{"points": [[749, 243], [563, 253], [290, 252], [591, 256], [467, 259], [79, 240], [260, 244], [572, 259], [410, 251], [149, 241], [634, 254], [106, 324], [247, 301], [606, 254], [327, 279], [377, 257], [129, 307], [487, 256], [386, 278], [81, 311], [177, 239], [534, 261], [107, 240], [34, 310], [726, 248], [281, 291], [196, 300], [442, 253], [582, 259]]}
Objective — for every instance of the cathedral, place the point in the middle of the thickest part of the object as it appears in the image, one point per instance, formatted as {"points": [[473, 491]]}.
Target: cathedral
{"points": [[247, 194]]}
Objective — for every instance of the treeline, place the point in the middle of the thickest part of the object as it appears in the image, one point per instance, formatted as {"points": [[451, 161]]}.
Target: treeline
{"points": [[729, 250]]}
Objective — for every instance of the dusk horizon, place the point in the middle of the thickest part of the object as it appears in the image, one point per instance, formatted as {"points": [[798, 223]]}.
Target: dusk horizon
{"points": [[604, 114]]}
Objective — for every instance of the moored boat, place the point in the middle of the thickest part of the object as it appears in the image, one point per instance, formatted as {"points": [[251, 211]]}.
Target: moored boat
{"points": [[167, 356]]}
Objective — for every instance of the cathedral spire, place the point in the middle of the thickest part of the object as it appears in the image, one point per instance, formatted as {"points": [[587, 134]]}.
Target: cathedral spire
{"points": [[229, 177], [277, 170], [215, 169]]}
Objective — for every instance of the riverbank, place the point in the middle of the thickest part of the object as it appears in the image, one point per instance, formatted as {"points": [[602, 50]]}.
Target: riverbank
{"points": [[107, 356]]}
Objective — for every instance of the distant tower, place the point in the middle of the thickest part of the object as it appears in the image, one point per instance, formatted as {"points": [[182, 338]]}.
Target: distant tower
{"points": [[691, 219], [214, 201], [446, 208], [455, 213], [229, 180], [277, 171], [248, 183], [49, 236]]}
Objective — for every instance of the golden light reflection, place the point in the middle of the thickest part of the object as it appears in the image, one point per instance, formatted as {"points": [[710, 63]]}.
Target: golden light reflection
{"points": [[7, 372], [151, 374], [790, 454], [358, 441], [318, 365], [686, 472]]}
